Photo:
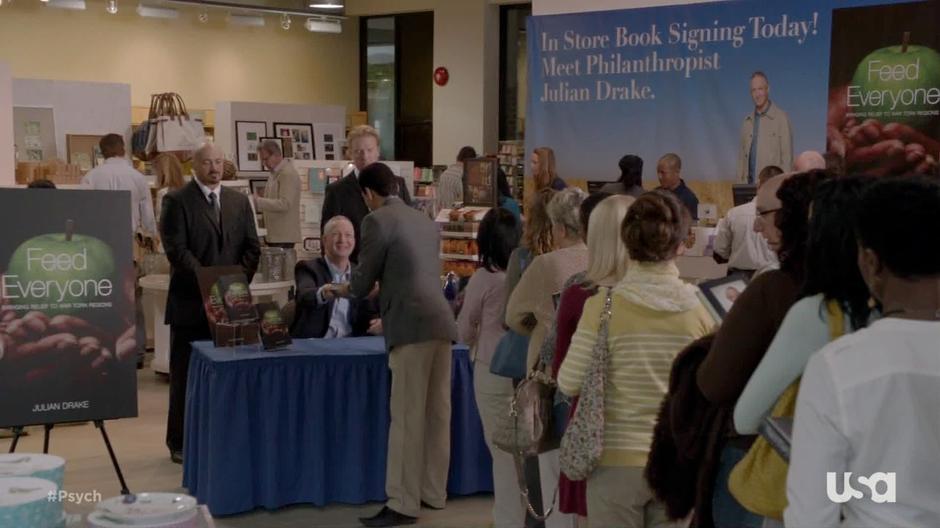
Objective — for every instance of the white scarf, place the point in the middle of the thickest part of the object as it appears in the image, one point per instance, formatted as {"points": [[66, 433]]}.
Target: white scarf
{"points": [[657, 286]]}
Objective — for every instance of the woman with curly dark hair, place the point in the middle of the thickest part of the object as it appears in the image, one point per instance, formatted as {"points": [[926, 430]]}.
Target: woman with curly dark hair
{"points": [[783, 205]]}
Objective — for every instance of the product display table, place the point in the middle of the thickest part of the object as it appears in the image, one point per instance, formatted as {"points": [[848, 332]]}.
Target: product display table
{"points": [[308, 424], [155, 290]]}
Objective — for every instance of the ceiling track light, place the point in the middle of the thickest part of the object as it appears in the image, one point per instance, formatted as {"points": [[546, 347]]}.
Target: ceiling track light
{"points": [[246, 20], [285, 21], [111, 7], [203, 16], [77, 5], [326, 4], [323, 25], [156, 12]]}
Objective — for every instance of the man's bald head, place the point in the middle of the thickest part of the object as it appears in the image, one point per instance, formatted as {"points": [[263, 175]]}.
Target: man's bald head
{"points": [[209, 164], [809, 160]]}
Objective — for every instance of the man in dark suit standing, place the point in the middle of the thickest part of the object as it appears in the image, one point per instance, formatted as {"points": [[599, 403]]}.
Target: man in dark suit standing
{"points": [[202, 224], [345, 196], [400, 251], [319, 312]]}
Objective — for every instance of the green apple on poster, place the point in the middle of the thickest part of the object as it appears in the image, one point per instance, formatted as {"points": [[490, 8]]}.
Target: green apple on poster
{"points": [[64, 271], [899, 84]]}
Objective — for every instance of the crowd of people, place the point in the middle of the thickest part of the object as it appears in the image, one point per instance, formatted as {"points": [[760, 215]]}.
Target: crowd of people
{"points": [[837, 329], [841, 250]]}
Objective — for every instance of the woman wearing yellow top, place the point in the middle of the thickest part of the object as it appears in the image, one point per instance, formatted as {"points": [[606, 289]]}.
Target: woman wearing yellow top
{"points": [[654, 315]]}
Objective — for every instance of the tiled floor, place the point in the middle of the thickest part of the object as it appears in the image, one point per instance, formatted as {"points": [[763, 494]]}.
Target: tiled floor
{"points": [[140, 448]]}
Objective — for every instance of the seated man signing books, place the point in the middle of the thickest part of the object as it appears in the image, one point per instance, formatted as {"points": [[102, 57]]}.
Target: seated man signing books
{"points": [[319, 312]]}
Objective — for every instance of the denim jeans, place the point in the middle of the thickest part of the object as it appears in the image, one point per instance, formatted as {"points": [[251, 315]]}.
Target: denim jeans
{"points": [[726, 512]]}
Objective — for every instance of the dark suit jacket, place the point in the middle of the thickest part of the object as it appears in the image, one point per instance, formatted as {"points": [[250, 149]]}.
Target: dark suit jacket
{"points": [[401, 250], [313, 320], [344, 197], [192, 238]]}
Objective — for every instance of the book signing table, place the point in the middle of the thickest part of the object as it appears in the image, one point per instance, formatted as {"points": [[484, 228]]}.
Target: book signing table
{"points": [[308, 424]]}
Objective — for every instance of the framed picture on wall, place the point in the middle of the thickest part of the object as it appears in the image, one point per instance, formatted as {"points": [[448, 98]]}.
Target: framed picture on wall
{"points": [[301, 136], [287, 147], [257, 185], [248, 136]]}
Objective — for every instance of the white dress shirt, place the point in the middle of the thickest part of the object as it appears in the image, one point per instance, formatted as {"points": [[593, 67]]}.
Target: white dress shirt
{"points": [[869, 402], [117, 174], [340, 325], [737, 241]]}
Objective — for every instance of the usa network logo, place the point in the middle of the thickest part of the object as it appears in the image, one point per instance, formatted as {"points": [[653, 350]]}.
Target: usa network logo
{"points": [[848, 492]]}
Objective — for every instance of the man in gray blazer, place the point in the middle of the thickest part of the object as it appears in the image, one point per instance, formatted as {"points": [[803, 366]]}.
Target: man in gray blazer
{"points": [[400, 251], [281, 202]]}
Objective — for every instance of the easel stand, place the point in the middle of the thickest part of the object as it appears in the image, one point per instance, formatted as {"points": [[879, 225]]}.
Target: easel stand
{"points": [[99, 424]]}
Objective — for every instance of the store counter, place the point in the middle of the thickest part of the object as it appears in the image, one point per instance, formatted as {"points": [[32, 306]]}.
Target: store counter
{"points": [[308, 424], [696, 263], [155, 293]]}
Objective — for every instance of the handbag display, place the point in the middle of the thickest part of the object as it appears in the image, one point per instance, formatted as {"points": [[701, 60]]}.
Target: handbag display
{"points": [[142, 140], [176, 130], [168, 128], [583, 441], [759, 480]]}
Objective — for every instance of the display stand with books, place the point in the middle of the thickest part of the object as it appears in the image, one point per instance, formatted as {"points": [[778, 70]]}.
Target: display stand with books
{"points": [[512, 161]]}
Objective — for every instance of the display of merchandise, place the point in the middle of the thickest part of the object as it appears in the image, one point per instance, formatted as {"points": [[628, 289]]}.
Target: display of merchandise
{"points": [[146, 510], [459, 252], [274, 331], [49, 467], [512, 161], [237, 298], [24, 501]]}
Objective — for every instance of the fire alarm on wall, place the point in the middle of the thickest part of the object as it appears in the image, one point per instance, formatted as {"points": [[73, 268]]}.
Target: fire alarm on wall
{"points": [[441, 76]]}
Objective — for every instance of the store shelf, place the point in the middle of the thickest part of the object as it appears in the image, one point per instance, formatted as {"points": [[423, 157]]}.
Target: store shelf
{"points": [[458, 234], [451, 256]]}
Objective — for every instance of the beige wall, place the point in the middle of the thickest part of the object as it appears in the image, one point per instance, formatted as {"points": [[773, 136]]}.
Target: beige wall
{"points": [[6, 125], [466, 42], [152, 55], [554, 7]]}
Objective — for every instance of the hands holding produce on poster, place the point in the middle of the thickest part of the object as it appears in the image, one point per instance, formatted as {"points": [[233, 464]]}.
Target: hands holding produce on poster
{"points": [[40, 344], [875, 147]]}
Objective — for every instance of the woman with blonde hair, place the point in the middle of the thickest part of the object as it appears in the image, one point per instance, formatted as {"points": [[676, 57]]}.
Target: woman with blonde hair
{"points": [[543, 170], [607, 263], [169, 176]]}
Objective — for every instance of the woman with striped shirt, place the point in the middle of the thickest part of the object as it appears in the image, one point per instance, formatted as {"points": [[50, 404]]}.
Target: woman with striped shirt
{"points": [[654, 315]]}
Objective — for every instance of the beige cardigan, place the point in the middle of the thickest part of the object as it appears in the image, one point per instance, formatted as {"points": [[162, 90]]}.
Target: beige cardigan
{"points": [[281, 204], [531, 309]]}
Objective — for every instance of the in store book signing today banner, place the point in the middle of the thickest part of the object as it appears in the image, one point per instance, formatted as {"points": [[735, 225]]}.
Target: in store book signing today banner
{"points": [[67, 340], [678, 79]]}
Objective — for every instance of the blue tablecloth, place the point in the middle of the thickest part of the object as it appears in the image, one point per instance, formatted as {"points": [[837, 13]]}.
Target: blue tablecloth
{"points": [[308, 424]]}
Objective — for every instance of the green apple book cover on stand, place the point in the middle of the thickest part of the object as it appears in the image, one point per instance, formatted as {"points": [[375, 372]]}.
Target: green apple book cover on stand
{"points": [[274, 331], [221, 301], [68, 339], [884, 88]]}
